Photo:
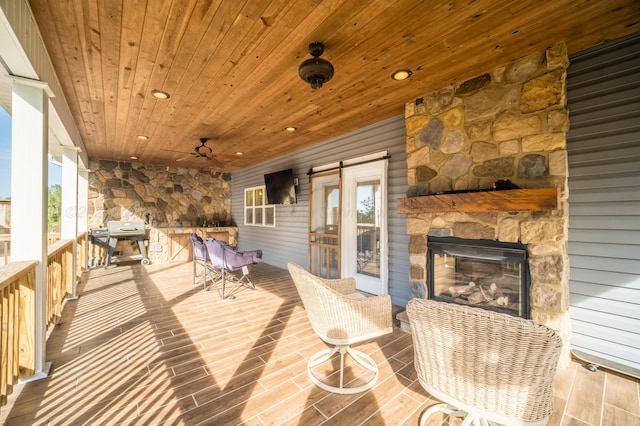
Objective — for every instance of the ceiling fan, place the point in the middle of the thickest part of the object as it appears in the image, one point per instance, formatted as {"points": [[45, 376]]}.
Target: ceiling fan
{"points": [[201, 151]]}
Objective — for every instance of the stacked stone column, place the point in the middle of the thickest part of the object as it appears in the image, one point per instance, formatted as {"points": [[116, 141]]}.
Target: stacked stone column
{"points": [[507, 124]]}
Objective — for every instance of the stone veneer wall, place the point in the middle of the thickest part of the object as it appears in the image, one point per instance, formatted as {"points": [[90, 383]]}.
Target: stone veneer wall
{"points": [[174, 196], [510, 123]]}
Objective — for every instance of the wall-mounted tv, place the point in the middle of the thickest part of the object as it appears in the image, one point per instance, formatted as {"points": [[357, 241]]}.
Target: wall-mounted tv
{"points": [[280, 187]]}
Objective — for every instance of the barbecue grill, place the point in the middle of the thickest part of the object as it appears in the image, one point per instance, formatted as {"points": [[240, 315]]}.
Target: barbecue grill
{"points": [[121, 230]]}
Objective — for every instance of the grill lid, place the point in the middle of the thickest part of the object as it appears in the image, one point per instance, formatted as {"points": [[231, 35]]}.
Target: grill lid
{"points": [[125, 228]]}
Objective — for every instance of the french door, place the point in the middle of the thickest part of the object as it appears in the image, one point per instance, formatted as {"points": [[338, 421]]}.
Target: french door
{"points": [[324, 224], [348, 227]]}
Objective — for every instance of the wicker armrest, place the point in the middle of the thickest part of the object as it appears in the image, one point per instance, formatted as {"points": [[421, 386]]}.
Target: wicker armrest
{"points": [[341, 285]]}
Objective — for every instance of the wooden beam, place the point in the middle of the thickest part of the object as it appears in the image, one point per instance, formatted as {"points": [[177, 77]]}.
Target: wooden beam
{"points": [[538, 199]]}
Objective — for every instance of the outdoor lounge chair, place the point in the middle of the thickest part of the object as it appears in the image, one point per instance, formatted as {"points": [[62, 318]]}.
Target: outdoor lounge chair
{"points": [[341, 317], [225, 260], [486, 366], [200, 258]]}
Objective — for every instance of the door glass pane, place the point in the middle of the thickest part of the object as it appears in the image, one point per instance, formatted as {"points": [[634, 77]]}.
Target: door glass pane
{"points": [[368, 228], [331, 196], [324, 237]]}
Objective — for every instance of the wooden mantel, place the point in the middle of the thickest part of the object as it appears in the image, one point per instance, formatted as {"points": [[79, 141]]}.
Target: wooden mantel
{"points": [[537, 199]]}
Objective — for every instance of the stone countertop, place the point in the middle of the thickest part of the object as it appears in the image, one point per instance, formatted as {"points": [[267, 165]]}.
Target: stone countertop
{"points": [[231, 232], [189, 229]]}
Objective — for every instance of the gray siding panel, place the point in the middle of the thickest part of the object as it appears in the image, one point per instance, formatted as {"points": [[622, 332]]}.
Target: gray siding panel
{"points": [[288, 240], [603, 144]]}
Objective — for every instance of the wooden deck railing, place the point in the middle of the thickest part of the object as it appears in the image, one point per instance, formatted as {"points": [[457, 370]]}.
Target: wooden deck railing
{"points": [[17, 315], [60, 277], [5, 239], [82, 253], [18, 308], [52, 237]]}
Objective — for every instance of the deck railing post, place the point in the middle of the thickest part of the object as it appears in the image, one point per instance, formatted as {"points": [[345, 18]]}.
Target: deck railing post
{"points": [[27, 318], [17, 324]]}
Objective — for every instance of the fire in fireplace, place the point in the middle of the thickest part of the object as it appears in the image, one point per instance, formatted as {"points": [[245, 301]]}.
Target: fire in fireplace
{"points": [[487, 274]]}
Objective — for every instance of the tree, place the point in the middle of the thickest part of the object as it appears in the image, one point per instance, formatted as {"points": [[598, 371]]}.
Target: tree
{"points": [[367, 213], [54, 207]]}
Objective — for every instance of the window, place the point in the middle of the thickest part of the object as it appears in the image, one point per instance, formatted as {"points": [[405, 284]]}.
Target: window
{"points": [[256, 210]]}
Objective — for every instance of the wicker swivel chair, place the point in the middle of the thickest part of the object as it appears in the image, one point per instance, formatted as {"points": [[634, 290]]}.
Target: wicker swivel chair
{"points": [[341, 317], [488, 367]]}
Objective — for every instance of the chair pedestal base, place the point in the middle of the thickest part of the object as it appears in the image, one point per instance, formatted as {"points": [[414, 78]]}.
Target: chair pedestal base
{"points": [[471, 418], [362, 359], [450, 410]]}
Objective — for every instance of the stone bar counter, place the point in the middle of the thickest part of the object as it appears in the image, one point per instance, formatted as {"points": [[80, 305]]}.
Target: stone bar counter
{"points": [[165, 245]]}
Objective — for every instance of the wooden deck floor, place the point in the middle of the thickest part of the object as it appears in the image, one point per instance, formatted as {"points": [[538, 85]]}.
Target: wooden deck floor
{"points": [[141, 346]]}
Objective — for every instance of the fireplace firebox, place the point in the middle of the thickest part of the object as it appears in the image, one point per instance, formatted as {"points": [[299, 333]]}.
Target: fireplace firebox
{"points": [[482, 273]]}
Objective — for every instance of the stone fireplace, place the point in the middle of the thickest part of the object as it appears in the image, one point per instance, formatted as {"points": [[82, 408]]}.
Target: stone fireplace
{"points": [[507, 125]]}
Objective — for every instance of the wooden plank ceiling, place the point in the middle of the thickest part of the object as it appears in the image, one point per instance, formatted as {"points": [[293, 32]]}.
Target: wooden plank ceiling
{"points": [[230, 66]]}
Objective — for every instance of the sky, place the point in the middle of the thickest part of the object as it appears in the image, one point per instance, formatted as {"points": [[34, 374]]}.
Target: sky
{"points": [[55, 171]]}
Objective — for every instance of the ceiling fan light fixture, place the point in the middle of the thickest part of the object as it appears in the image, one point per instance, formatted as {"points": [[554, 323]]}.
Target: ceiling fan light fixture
{"points": [[159, 94], [401, 75], [316, 71], [203, 150]]}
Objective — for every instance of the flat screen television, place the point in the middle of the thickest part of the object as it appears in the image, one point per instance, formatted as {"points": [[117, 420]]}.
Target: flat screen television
{"points": [[280, 187]]}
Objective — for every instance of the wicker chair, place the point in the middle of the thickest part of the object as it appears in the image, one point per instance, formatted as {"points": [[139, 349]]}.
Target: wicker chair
{"points": [[340, 316], [488, 367]]}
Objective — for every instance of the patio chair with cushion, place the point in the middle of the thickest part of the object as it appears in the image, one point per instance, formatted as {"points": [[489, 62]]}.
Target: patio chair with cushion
{"points": [[489, 367], [226, 261], [341, 316]]}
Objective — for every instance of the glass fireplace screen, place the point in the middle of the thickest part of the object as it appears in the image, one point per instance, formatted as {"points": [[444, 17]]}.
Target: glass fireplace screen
{"points": [[482, 273]]}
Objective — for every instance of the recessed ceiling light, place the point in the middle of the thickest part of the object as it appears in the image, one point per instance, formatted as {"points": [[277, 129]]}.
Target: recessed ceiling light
{"points": [[290, 129], [239, 153], [143, 137], [159, 94], [133, 157], [401, 75]]}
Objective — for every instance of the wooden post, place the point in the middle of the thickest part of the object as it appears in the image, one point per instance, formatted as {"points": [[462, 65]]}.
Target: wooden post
{"points": [[28, 352]]}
